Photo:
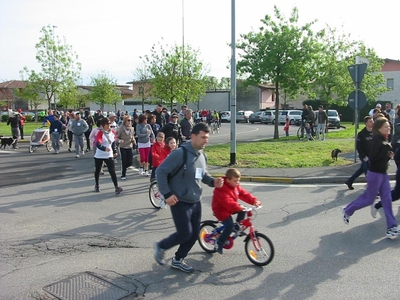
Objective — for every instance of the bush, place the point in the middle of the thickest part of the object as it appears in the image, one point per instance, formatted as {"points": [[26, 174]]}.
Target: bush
{"points": [[29, 118], [4, 118]]}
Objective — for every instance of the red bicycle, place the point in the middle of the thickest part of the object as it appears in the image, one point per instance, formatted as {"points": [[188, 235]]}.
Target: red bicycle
{"points": [[258, 247]]}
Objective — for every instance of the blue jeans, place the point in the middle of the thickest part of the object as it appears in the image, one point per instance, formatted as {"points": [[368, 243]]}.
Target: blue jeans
{"points": [[187, 218], [362, 169], [229, 227]]}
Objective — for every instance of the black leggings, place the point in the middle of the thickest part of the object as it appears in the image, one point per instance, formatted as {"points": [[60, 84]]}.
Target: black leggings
{"points": [[126, 159], [87, 134], [98, 163], [70, 138]]}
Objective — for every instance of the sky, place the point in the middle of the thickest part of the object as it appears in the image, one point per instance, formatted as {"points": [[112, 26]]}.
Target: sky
{"points": [[111, 36]]}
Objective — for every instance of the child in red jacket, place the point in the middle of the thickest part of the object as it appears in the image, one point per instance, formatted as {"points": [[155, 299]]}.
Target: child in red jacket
{"points": [[157, 154], [225, 204]]}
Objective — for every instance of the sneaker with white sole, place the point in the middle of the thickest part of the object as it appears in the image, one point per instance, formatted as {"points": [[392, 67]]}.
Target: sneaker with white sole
{"points": [[346, 217], [140, 171], [83, 153], [123, 178], [374, 210], [391, 232], [159, 254], [146, 174], [181, 265], [77, 156]]}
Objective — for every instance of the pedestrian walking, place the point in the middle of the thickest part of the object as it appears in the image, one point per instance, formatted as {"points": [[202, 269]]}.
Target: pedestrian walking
{"points": [[377, 179], [22, 123], [56, 128], [78, 129], [321, 123], [145, 138], [126, 139], [364, 138], [106, 151], [184, 199], [14, 120]]}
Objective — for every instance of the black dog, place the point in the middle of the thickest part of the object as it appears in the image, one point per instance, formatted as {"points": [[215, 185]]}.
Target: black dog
{"points": [[335, 153], [7, 142]]}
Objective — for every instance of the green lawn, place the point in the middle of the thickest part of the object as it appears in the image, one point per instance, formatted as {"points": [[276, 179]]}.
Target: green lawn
{"points": [[28, 128], [287, 152]]}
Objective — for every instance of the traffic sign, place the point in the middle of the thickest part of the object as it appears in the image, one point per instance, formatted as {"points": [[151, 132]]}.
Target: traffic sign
{"points": [[361, 71], [362, 100]]}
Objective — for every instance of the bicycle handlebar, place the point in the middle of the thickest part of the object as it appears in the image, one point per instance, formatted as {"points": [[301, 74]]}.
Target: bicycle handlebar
{"points": [[252, 208]]}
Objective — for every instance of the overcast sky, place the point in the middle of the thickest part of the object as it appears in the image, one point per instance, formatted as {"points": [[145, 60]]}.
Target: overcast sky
{"points": [[112, 35]]}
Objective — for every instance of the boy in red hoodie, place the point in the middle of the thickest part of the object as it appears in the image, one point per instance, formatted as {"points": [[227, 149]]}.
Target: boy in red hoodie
{"points": [[225, 204]]}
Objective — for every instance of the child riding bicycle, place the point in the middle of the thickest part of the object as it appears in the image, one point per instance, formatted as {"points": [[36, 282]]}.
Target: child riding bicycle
{"points": [[225, 204]]}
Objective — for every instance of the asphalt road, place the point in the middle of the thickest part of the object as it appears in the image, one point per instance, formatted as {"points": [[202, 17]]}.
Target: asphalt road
{"points": [[53, 226], [56, 229]]}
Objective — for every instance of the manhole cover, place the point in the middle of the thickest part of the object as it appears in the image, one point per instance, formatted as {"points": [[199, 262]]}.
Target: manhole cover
{"points": [[85, 286]]}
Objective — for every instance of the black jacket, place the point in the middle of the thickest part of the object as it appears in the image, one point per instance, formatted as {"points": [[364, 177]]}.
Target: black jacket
{"points": [[174, 130], [364, 138], [379, 154]]}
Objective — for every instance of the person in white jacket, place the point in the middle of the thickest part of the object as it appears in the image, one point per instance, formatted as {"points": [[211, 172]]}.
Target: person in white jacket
{"points": [[106, 151]]}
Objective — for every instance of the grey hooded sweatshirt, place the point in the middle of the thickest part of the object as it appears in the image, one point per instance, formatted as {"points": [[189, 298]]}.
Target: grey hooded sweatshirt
{"points": [[184, 184]]}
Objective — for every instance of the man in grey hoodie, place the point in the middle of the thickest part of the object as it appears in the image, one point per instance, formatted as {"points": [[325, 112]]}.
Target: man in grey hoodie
{"points": [[180, 184], [78, 128]]}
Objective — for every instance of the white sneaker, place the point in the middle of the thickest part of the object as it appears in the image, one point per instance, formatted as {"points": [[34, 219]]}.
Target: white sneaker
{"points": [[123, 178], [146, 174], [391, 232], [77, 156], [83, 153], [140, 171]]}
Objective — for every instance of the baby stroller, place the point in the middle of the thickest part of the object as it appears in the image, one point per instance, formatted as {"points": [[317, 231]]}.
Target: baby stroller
{"points": [[40, 137]]}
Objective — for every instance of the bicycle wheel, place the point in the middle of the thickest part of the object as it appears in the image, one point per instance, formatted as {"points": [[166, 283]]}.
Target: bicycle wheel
{"points": [[31, 149], [49, 147], [259, 251], [206, 238], [154, 195], [301, 136]]}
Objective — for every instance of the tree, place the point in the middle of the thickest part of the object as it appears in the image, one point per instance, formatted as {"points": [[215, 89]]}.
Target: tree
{"points": [[177, 73], [59, 66], [104, 90], [333, 82], [282, 52], [32, 93], [142, 77]]}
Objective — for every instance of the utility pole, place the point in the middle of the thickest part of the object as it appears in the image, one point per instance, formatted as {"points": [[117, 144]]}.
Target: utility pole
{"points": [[233, 86]]}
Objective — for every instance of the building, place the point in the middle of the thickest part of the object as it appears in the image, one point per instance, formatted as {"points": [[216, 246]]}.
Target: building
{"points": [[391, 72]]}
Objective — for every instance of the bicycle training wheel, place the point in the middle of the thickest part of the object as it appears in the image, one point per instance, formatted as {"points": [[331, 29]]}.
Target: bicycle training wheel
{"points": [[31, 149], [259, 251], [206, 238], [154, 195]]}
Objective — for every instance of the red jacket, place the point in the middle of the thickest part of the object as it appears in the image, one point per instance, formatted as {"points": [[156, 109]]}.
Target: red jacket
{"points": [[156, 152], [165, 152], [225, 200]]}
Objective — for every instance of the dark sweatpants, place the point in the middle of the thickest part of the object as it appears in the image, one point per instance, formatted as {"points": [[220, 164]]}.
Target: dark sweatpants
{"points": [[187, 218]]}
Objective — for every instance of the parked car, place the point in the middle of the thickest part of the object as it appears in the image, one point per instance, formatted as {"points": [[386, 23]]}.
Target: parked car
{"points": [[294, 116], [268, 117], [243, 115], [333, 118], [225, 116], [255, 117]]}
